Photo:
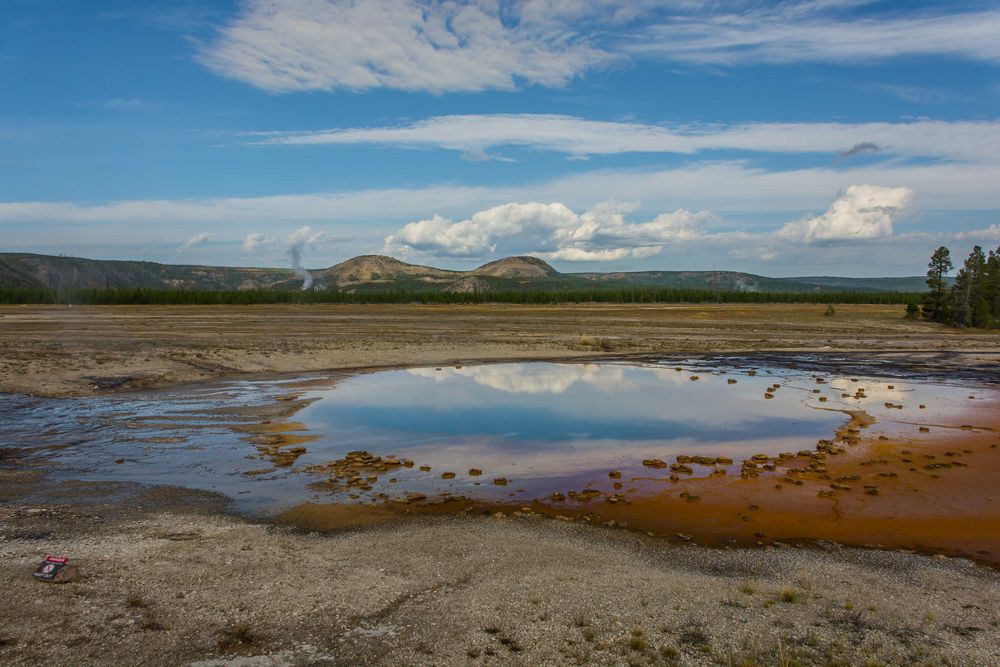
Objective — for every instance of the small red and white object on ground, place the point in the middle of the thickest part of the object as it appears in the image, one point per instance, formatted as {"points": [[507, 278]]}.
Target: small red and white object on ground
{"points": [[56, 570]]}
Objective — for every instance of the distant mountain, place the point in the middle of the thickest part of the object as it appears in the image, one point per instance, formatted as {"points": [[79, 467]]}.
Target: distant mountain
{"points": [[516, 268], [29, 270], [378, 272]]}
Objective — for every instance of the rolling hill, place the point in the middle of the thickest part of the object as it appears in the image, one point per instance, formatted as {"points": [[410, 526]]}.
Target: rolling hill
{"points": [[29, 270], [377, 272]]}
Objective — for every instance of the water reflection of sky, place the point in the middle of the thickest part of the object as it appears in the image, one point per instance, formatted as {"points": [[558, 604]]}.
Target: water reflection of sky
{"points": [[545, 426], [547, 404]]}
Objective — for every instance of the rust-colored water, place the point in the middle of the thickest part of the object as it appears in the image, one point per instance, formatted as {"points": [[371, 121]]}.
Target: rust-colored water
{"points": [[911, 466]]}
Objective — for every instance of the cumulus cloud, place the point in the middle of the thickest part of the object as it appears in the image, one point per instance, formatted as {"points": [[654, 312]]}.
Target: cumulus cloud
{"points": [[860, 212], [479, 233], [549, 230], [604, 233], [196, 240], [473, 135], [255, 241], [302, 45]]}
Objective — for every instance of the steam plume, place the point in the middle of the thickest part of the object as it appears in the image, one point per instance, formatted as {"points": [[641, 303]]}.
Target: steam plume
{"points": [[298, 241]]}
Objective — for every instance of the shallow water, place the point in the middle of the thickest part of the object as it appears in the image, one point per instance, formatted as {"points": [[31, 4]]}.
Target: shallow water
{"points": [[545, 427]]}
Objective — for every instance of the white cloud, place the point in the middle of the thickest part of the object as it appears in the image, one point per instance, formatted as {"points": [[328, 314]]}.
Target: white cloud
{"points": [[555, 232], [792, 32], [989, 234], [254, 241], [441, 46], [305, 236], [302, 45], [552, 231], [976, 141], [480, 233], [860, 212], [916, 94], [127, 104], [720, 186], [302, 238], [197, 239]]}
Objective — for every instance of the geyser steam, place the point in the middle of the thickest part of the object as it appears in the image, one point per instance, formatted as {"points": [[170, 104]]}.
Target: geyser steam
{"points": [[302, 238]]}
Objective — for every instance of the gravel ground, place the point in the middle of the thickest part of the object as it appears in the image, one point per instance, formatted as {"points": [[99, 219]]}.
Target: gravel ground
{"points": [[170, 580], [60, 351]]}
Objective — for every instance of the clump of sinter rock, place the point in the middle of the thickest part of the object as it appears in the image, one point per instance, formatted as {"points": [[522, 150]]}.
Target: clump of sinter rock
{"points": [[360, 469]]}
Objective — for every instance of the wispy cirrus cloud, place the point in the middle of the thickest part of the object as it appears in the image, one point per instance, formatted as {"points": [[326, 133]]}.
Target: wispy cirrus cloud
{"points": [[977, 141], [128, 104], [432, 45], [794, 32], [915, 94], [303, 45], [951, 186]]}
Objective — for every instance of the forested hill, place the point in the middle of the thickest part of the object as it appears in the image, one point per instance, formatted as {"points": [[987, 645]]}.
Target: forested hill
{"points": [[52, 272], [379, 273]]}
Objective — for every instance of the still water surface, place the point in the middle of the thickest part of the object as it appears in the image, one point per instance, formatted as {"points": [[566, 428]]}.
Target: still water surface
{"points": [[543, 426]]}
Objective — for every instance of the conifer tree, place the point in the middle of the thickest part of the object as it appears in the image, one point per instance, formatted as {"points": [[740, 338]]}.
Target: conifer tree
{"points": [[936, 299], [968, 299], [991, 288]]}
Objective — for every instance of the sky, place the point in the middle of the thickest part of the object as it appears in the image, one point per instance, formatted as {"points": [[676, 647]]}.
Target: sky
{"points": [[805, 137]]}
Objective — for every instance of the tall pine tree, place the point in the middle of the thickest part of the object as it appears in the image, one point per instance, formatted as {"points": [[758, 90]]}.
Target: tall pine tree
{"points": [[991, 290], [936, 299], [967, 294]]}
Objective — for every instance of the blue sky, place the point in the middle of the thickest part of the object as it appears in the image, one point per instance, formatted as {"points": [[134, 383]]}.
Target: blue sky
{"points": [[845, 137]]}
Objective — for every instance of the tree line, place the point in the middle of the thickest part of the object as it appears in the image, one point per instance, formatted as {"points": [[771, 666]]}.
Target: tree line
{"points": [[142, 296], [973, 300]]}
